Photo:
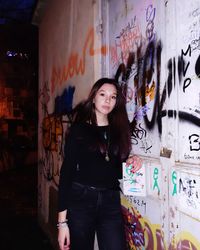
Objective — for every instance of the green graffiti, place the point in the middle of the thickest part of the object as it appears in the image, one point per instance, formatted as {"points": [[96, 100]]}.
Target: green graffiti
{"points": [[174, 179], [130, 173], [155, 177]]}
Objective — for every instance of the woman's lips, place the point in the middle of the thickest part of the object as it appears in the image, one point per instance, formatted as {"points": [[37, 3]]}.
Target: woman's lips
{"points": [[106, 107]]}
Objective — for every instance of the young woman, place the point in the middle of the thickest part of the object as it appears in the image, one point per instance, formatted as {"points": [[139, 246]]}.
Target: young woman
{"points": [[89, 194]]}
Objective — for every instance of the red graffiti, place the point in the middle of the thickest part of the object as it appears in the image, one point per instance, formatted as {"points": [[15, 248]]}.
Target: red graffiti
{"points": [[133, 229], [124, 44], [139, 233], [76, 63], [183, 245]]}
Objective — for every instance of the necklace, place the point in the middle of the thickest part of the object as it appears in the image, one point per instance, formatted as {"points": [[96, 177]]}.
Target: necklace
{"points": [[107, 139], [107, 158]]}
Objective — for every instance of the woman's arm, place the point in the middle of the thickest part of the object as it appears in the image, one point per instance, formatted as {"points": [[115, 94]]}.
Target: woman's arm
{"points": [[65, 180], [62, 216], [67, 169], [63, 231]]}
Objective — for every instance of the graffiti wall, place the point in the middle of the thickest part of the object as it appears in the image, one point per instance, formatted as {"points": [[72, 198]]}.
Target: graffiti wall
{"points": [[69, 50], [152, 48], [154, 52], [189, 87], [135, 57]]}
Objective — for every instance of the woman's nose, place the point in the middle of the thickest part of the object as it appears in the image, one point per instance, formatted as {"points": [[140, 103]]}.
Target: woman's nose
{"points": [[108, 99]]}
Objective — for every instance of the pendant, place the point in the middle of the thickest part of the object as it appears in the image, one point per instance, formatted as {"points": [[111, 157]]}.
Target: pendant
{"points": [[107, 157]]}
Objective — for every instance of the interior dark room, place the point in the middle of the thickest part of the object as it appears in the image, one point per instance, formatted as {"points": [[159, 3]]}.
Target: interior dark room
{"points": [[18, 127]]}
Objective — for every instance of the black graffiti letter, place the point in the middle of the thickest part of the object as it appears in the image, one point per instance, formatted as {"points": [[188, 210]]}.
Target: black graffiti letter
{"points": [[194, 141]]}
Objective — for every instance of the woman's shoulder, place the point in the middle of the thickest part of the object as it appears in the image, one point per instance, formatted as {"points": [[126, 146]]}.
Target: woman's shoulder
{"points": [[79, 131], [80, 127]]}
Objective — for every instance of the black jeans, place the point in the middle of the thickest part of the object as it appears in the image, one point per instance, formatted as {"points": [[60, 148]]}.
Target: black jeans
{"points": [[92, 210]]}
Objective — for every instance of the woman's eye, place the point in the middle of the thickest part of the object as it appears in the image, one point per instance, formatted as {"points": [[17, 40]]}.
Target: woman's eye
{"points": [[114, 97], [102, 94]]}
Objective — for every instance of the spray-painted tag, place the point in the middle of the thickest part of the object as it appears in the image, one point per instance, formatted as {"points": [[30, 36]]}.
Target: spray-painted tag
{"points": [[134, 183]]}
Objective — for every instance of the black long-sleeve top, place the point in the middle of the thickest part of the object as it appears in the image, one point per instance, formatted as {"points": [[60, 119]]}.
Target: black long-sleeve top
{"points": [[85, 164]]}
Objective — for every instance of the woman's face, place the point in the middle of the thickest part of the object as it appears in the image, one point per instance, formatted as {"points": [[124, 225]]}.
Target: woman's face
{"points": [[105, 99]]}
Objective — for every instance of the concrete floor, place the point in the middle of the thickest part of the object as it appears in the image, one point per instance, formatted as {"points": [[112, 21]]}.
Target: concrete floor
{"points": [[18, 211]]}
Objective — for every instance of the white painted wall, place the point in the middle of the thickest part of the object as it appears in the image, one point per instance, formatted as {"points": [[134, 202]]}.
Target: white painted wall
{"points": [[69, 50], [154, 46], [164, 100]]}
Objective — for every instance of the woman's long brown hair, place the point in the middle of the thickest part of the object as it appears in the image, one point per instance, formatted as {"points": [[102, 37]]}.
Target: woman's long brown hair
{"points": [[118, 118]]}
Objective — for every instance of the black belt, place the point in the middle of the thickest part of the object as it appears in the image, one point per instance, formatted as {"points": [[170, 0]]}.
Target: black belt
{"points": [[92, 187]]}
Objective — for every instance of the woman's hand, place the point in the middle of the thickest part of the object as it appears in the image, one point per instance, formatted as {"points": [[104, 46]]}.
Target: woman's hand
{"points": [[135, 161], [64, 238]]}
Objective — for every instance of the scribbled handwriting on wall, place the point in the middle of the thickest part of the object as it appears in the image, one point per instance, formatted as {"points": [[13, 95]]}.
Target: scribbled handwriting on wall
{"points": [[128, 40], [150, 16], [142, 234], [53, 131], [147, 88], [186, 188], [140, 59], [187, 81], [189, 191], [139, 134]]}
